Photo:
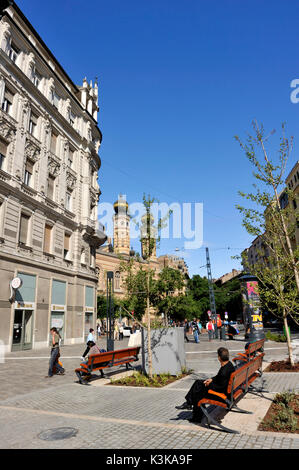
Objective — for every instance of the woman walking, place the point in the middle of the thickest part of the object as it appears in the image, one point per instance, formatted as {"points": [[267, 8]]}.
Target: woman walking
{"points": [[55, 354]]}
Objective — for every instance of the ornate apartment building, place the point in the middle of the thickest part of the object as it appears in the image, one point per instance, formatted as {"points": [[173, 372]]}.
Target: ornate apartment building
{"points": [[49, 233]]}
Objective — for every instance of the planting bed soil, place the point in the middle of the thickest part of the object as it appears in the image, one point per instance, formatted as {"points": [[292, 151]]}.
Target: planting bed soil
{"points": [[276, 419], [143, 381], [282, 366]]}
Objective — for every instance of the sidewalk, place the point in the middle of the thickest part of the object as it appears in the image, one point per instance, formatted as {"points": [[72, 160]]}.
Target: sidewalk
{"points": [[109, 417]]}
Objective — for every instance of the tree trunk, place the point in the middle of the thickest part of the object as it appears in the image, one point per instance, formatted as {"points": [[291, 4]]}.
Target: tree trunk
{"points": [[149, 346], [286, 327]]}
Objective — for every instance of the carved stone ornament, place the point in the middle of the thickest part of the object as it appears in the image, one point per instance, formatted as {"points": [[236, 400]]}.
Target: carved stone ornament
{"points": [[7, 130], [70, 180], [31, 151], [5, 29], [53, 167]]}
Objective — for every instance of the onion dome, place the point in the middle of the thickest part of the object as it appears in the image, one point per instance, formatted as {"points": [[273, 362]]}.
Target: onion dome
{"points": [[121, 205]]}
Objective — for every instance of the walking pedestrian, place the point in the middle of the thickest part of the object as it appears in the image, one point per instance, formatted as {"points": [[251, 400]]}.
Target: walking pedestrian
{"points": [[186, 330], [55, 354], [195, 331], [99, 330], [121, 332], [210, 329], [116, 331], [90, 337], [199, 326]]}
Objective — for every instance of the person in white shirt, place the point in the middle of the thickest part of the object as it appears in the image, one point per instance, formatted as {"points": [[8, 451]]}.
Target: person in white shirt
{"points": [[90, 337], [210, 329]]}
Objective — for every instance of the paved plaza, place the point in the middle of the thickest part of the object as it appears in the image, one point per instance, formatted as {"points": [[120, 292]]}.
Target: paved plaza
{"points": [[102, 416]]}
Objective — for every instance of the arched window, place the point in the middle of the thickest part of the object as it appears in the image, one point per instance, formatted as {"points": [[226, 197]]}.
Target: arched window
{"points": [[117, 280]]}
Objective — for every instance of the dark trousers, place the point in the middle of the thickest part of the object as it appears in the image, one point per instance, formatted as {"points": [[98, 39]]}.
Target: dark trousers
{"points": [[196, 393], [54, 362], [86, 351]]}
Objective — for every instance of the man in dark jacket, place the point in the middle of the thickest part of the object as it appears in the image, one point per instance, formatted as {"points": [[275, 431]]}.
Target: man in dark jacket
{"points": [[200, 388]]}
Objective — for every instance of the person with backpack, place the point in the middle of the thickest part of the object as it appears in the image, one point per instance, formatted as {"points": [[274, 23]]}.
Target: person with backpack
{"points": [[210, 329], [55, 354]]}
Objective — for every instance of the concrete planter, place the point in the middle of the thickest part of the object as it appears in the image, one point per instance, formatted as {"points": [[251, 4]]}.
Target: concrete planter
{"points": [[168, 351]]}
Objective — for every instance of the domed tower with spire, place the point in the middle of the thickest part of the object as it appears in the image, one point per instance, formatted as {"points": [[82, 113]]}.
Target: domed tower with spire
{"points": [[121, 226]]}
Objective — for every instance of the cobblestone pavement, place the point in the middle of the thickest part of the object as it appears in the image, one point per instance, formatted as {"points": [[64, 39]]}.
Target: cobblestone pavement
{"points": [[109, 417]]}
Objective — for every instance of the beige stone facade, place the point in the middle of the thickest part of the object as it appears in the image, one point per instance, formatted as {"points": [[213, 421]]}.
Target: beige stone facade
{"points": [[49, 233], [258, 252]]}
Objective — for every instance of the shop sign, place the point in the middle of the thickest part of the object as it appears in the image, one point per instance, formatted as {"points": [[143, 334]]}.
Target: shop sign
{"points": [[57, 308], [25, 305]]}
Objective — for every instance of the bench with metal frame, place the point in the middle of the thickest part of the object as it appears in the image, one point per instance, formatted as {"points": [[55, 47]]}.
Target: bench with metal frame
{"points": [[251, 351], [239, 384], [105, 360]]}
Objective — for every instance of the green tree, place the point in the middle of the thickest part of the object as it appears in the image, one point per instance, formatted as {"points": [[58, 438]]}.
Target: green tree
{"points": [[169, 286], [277, 271]]}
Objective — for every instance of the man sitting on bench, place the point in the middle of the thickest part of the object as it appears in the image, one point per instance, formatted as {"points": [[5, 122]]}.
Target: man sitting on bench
{"points": [[200, 388]]}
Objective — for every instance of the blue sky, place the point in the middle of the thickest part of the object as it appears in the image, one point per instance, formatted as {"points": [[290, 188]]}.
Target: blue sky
{"points": [[177, 80]]}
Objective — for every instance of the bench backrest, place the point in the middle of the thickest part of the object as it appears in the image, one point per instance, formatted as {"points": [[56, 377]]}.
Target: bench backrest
{"points": [[256, 346], [237, 378], [241, 375], [97, 359]]}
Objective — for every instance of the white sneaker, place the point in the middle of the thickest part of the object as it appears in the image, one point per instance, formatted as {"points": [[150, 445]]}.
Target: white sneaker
{"points": [[82, 358]]}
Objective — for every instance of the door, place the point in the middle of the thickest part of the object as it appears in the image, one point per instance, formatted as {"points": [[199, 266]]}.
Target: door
{"points": [[22, 330]]}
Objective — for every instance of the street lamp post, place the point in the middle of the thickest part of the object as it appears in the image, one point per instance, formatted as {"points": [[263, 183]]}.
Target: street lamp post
{"points": [[252, 315], [110, 312]]}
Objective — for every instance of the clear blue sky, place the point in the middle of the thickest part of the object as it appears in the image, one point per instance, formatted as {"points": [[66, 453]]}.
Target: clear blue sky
{"points": [[177, 80]]}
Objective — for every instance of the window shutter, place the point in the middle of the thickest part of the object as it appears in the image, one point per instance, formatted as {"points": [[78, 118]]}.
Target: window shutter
{"points": [[50, 192], [29, 166], [66, 241], [23, 228], [53, 143], [47, 238]]}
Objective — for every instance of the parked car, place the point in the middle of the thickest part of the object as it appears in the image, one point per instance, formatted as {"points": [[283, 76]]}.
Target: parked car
{"points": [[127, 331]]}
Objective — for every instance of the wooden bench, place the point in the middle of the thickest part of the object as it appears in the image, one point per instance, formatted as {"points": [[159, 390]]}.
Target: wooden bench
{"points": [[251, 351], [104, 360], [238, 386]]}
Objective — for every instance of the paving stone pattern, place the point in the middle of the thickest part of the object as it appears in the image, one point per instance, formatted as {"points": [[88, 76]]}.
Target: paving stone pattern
{"points": [[110, 417]]}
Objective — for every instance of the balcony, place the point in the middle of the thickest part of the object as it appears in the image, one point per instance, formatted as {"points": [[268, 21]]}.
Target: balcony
{"points": [[94, 232]]}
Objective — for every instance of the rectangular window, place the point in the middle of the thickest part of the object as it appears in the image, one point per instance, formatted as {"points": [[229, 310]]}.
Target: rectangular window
{"points": [[53, 143], [13, 52], [47, 238], [56, 99], [3, 152], [7, 101], [72, 118], [32, 124], [37, 78], [66, 251], [24, 225], [51, 187], [28, 173], [68, 201], [71, 158]]}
